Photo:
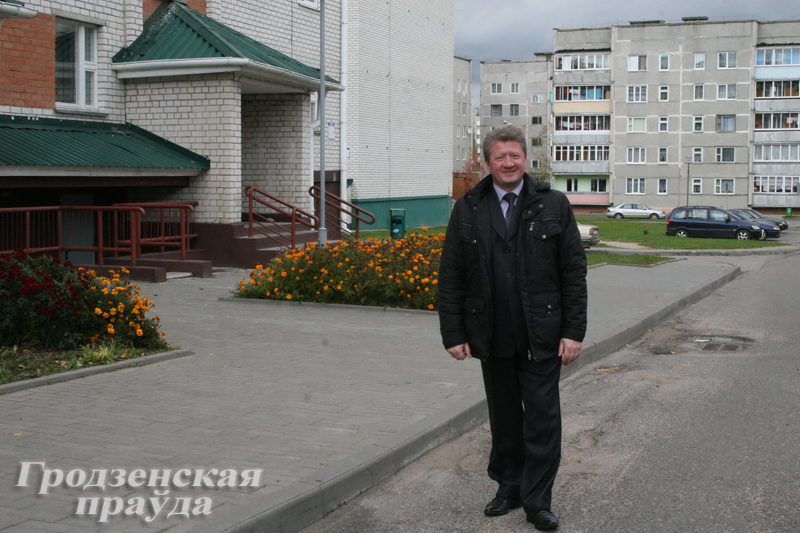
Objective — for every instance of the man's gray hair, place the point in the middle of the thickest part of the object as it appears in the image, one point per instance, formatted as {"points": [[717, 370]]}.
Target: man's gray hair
{"points": [[504, 134]]}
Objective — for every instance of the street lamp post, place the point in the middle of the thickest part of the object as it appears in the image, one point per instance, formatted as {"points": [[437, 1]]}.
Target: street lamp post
{"points": [[323, 226]]}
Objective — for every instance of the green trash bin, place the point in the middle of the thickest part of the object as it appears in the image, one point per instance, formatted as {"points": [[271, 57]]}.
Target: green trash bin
{"points": [[788, 211], [397, 219]]}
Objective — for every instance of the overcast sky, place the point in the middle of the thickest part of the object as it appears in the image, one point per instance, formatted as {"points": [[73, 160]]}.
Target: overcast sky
{"points": [[491, 30]]}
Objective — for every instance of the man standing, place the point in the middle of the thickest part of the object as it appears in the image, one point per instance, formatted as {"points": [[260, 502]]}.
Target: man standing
{"points": [[512, 293]]}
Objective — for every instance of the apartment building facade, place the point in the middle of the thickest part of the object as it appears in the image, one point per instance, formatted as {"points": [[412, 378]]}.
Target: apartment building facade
{"points": [[233, 87], [462, 113], [697, 112]]}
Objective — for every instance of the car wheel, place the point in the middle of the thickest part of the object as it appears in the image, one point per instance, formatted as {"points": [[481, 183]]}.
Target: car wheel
{"points": [[618, 216], [743, 235], [653, 216], [681, 233]]}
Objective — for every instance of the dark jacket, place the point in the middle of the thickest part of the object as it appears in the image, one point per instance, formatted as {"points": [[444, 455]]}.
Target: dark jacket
{"points": [[551, 266]]}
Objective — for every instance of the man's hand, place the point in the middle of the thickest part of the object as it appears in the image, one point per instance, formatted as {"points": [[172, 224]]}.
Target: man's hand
{"points": [[568, 350], [460, 351]]}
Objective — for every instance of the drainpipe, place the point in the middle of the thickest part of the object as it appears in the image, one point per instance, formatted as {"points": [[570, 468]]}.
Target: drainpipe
{"points": [[343, 102]]}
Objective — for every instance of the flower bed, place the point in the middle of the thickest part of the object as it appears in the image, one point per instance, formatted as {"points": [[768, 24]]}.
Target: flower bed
{"points": [[49, 305], [388, 273]]}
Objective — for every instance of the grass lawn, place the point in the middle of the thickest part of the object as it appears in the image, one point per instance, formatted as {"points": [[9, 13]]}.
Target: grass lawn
{"points": [[624, 259], [652, 234]]}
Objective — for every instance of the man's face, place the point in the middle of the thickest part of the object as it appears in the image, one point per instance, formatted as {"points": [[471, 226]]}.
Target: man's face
{"points": [[507, 164]]}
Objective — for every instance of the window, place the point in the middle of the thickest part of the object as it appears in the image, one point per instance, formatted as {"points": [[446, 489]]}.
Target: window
{"points": [[726, 123], [497, 110], [662, 186], [698, 92], [698, 123], [566, 93], [636, 155], [534, 163], [662, 155], [536, 121], [725, 155], [778, 89], [582, 62], [778, 56], [574, 152], [537, 98], [637, 124], [313, 4], [663, 93], [572, 184], [776, 184], [723, 186], [637, 93], [776, 121], [663, 123], [697, 186], [76, 64], [697, 154], [634, 186], [777, 152], [497, 88], [663, 62], [726, 92], [514, 110], [536, 141], [579, 123], [726, 60], [515, 88], [599, 185], [700, 61], [637, 63]]}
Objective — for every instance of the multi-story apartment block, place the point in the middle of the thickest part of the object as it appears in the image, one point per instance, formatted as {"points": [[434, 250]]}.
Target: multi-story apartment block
{"points": [[697, 112], [517, 93], [462, 113]]}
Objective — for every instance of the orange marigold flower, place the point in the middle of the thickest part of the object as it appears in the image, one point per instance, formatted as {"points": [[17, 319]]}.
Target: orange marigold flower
{"points": [[288, 296]]}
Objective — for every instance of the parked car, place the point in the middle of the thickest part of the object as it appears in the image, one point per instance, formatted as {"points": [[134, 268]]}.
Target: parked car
{"points": [[707, 221], [772, 230], [755, 215], [590, 235], [632, 210]]}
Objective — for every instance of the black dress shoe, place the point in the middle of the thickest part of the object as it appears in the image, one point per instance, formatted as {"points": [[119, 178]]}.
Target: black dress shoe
{"points": [[500, 506], [543, 520]]}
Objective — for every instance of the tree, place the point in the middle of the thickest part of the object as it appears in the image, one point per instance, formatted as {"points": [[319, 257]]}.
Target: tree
{"points": [[541, 152]]}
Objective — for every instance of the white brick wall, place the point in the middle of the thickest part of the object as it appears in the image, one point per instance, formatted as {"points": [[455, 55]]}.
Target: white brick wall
{"points": [[203, 114], [276, 148], [400, 100]]}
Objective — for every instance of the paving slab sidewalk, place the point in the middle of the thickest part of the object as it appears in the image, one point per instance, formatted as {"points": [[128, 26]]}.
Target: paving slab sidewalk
{"points": [[326, 400]]}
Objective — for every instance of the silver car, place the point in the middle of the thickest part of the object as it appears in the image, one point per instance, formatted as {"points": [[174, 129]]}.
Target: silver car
{"points": [[632, 210], [590, 235]]}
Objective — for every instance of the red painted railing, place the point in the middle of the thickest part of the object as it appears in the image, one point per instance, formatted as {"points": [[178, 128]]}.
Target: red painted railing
{"points": [[262, 217], [166, 225], [336, 209], [60, 229]]}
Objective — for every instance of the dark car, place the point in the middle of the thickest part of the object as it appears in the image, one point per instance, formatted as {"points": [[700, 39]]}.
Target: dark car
{"points": [[755, 215], [772, 231], [706, 221]]}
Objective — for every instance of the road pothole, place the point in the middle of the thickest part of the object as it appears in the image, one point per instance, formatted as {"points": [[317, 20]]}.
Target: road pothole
{"points": [[722, 343]]}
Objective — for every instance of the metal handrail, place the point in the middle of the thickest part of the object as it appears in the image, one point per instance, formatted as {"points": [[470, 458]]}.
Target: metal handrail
{"points": [[259, 223], [52, 231], [335, 214], [164, 237]]}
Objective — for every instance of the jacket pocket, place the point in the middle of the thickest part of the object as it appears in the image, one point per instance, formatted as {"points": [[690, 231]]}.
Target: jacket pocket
{"points": [[545, 327]]}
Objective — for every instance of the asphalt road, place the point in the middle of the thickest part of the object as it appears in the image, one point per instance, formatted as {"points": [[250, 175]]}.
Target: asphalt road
{"points": [[693, 428]]}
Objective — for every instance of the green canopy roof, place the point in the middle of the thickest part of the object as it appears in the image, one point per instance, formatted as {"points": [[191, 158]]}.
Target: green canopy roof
{"points": [[176, 32], [48, 142]]}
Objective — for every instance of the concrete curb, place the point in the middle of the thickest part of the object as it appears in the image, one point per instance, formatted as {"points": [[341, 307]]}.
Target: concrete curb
{"points": [[84, 372], [309, 500]]}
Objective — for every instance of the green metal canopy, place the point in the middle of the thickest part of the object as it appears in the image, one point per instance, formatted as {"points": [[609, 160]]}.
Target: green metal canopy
{"points": [[175, 34], [47, 143]]}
